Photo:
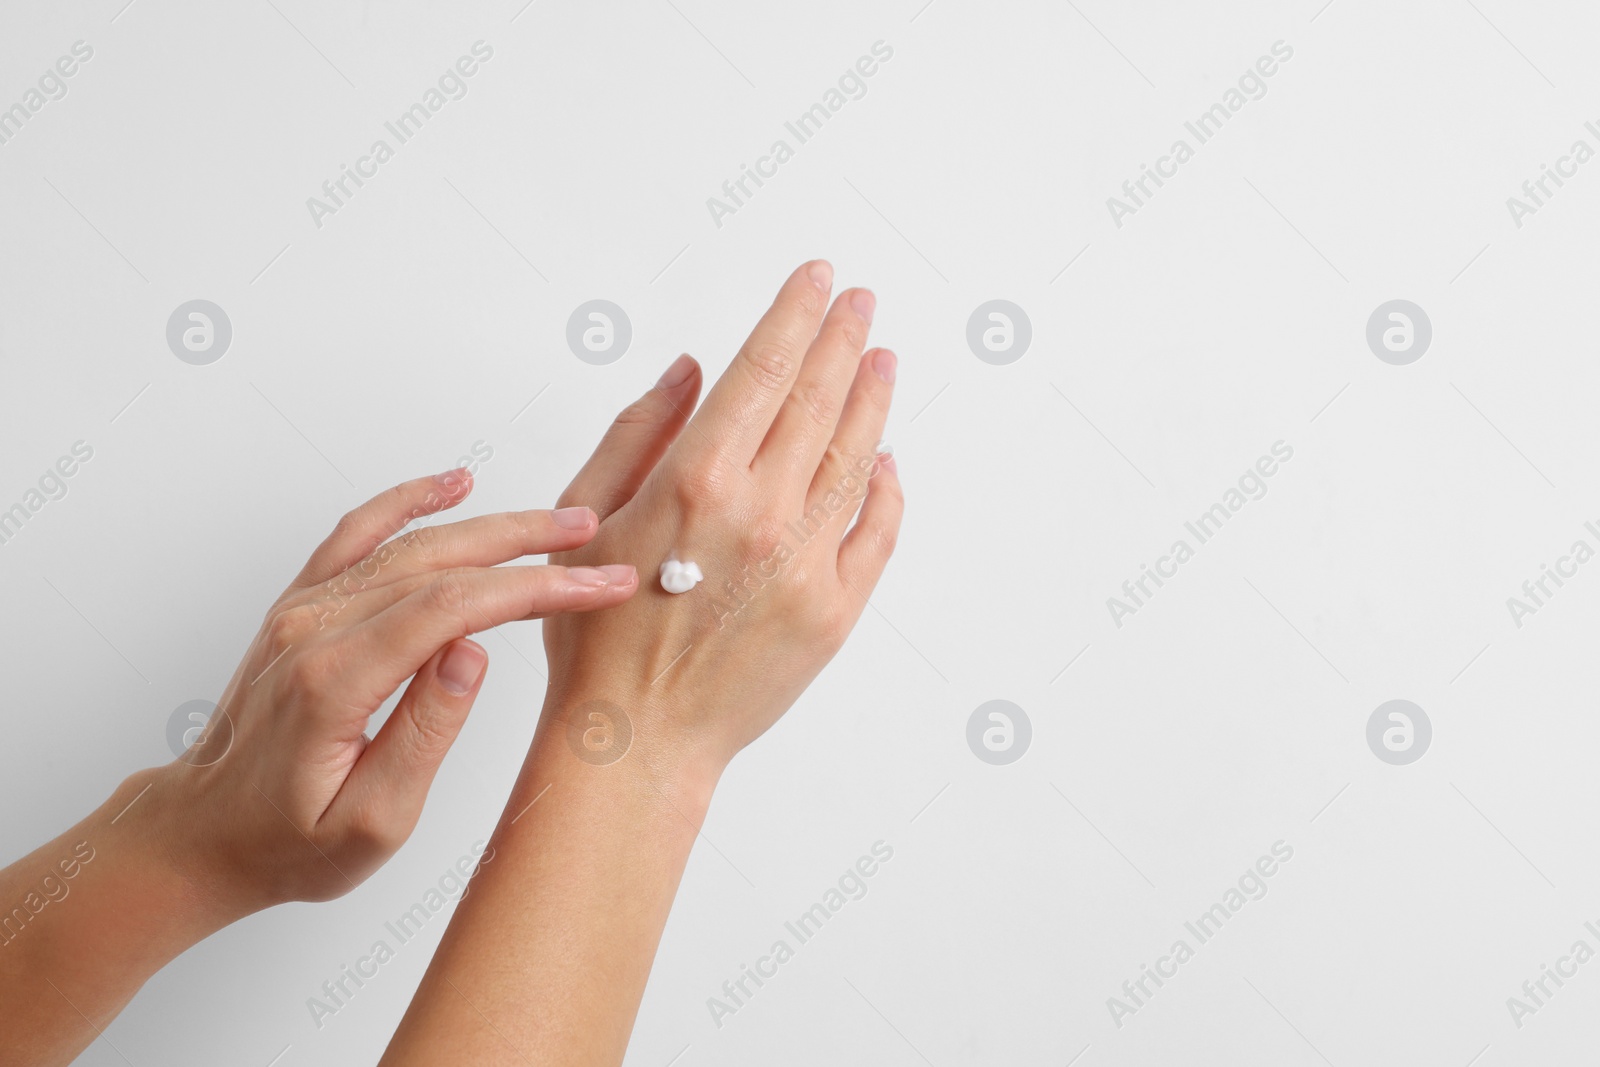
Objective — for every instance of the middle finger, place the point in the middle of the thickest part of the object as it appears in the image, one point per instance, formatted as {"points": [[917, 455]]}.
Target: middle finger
{"points": [[484, 541]]}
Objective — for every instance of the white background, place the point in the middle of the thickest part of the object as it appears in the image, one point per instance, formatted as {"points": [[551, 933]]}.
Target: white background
{"points": [[1227, 314]]}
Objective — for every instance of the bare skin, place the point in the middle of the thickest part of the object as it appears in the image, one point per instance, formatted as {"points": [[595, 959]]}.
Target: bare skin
{"points": [[545, 960], [283, 797]]}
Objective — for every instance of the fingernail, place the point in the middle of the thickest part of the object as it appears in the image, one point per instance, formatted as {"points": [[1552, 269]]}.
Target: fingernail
{"points": [[461, 667], [571, 518], [620, 573], [676, 374], [883, 364], [864, 303], [452, 478], [822, 274], [594, 576]]}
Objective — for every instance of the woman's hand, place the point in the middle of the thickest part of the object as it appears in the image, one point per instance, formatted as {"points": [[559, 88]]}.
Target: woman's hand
{"points": [[283, 797], [758, 490]]}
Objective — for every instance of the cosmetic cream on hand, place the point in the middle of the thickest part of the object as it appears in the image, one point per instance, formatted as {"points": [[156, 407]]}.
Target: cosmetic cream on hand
{"points": [[678, 577]]}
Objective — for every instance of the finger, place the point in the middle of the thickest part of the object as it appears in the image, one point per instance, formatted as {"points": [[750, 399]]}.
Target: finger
{"points": [[349, 609], [636, 441], [394, 643], [390, 782], [741, 406], [373, 523], [852, 453], [866, 549], [478, 542], [809, 416]]}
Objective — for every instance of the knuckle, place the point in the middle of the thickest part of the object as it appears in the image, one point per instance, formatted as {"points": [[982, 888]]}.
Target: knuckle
{"points": [[844, 472], [814, 402], [639, 413], [700, 485], [852, 332], [809, 300], [448, 595], [528, 527], [430, 730], [350, 524], [370, 829], [761, 538], [291, 624], [312, 671], [885, 538], [422, 544], [769, 363], [827, 622]]}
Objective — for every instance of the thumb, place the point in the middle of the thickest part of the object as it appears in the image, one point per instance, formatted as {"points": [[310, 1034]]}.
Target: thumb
{"points": [[394, 773]]}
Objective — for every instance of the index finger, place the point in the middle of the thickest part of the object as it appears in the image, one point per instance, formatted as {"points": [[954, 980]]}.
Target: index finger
{"points": [[393, 644]]}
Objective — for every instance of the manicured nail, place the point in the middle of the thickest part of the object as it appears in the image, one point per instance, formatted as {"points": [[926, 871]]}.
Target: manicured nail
{"points": [[676, 374], [571, 518], [594, 576], [883, 364], [864, 303], [461, 667], [620, 573], [822, 274]]}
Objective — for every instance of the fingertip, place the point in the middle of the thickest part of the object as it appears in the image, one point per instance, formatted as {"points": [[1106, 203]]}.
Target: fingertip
{"points": [[863, 302], [621, 575], [883, 364], [462, 666], [604, 578], [677, 376], [575, 518], [456, 484], [820, 271]]}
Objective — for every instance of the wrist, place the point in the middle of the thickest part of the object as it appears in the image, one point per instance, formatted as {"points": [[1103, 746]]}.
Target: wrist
{"points": [[169, 837], [114, 880], [606, 737]]}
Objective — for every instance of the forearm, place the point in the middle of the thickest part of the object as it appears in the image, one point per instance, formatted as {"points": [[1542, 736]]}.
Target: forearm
{"points": [[546, 957], [86, 919]]}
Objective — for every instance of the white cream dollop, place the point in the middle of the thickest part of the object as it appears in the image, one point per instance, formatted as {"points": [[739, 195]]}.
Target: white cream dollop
{"points": [[678, 577]]}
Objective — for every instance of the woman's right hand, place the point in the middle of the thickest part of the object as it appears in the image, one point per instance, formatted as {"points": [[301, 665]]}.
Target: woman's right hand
{"points": [[283, 797]]}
